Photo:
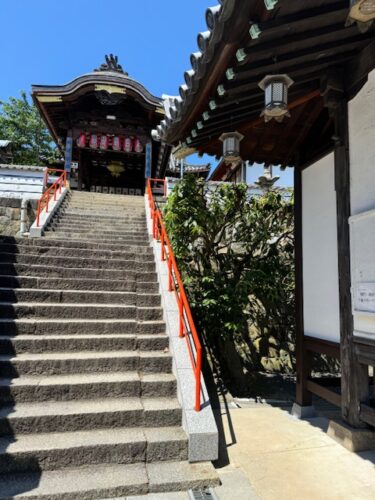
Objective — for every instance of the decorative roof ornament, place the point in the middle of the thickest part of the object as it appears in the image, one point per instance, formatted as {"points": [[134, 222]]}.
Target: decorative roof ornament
{"points": [[363, 13], [111, 64], [267, 180]]}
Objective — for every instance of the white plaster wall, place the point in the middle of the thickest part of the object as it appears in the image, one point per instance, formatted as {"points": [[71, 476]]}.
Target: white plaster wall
{"points": [[320, 263], [362, 189], [362, 148]]}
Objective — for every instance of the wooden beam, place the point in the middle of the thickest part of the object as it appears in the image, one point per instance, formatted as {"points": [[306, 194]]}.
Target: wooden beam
{"points": [[357, 70], [354, 376], [315, 39], [324, 393], [303, 357], [304, 57], [304, 18], [297, 72], [320, 346], [367, 414], [243, 118]]}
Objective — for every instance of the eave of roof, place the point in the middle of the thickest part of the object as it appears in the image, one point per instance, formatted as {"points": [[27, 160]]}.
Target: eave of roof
{"points": [[322, 42], [28, 168], [97, 77]]}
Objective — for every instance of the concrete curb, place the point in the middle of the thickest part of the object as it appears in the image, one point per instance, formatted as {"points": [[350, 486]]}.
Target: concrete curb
{"points": [[199, 426], [45, 217]]}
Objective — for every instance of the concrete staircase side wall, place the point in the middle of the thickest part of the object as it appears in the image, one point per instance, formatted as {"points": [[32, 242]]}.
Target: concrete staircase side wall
{"points": [[199, 426]]}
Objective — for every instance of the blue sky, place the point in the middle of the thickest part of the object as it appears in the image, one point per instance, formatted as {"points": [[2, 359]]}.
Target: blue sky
{"points": [[54, 41]]}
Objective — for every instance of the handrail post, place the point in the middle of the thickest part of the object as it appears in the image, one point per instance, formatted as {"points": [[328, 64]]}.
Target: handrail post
{"points": [[162, 246], [198, 371], [154, 222], [170, 280], [38, 214], [181, 316]]}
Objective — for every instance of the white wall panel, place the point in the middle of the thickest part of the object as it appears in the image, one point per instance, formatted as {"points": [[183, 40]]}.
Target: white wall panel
{"points": [[362, 223], [362, 148], [320, 264]]}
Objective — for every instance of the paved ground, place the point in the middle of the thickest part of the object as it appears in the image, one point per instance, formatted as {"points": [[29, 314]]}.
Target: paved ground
{"points": [[287, 459], [266, 454]]}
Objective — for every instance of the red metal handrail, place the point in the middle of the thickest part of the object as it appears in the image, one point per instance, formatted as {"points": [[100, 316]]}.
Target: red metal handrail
{"points": [[57, 186], [187, 327]]}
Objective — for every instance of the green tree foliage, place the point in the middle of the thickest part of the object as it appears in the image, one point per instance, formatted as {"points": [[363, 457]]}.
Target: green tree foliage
{"points": [[236, 258], [21, 123]]}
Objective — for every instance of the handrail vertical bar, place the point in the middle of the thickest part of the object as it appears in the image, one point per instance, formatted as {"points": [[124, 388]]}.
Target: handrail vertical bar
{"points": [[170, 277], [198, 371], [38, 214], [181, 317]]}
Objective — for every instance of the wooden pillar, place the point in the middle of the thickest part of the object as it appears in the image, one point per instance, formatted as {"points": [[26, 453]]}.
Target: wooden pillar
{"points": [[303, 357], [354, 376]]}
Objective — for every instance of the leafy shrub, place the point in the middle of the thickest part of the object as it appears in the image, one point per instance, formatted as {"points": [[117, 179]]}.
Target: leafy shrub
{"points": [[236, 258]]}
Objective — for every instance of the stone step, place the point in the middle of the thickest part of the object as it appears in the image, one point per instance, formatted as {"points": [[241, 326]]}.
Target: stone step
{"points": [[14, 295], [83, 326], [76, 283], [97, 199], [136, 263], [111, 212], [129, 240], [93, 229], [32, 388], [121, 229], [76, 215], [57, 251], [76, 243], [80, 415], [40, 270], [76, 342], [109, 481], [105, 223], [97, 234], [51, 451], [78, 311], [60, 363]]}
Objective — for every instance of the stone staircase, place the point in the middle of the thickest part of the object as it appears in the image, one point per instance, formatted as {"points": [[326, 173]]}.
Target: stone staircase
{"points": [[88, 399]]}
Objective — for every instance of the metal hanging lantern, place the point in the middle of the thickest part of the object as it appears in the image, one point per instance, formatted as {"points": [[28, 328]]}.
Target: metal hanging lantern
{"points": [[275, 96], [231, 146]]}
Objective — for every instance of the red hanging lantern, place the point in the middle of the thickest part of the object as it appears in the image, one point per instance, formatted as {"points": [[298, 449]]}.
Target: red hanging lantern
{"points": [[138, 146], [104, 142], [94, 141], [81, 140], [116, 144], [128, 145]]}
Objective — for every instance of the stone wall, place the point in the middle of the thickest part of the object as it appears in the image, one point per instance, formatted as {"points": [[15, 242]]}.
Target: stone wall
{"points": [[10, 215]]}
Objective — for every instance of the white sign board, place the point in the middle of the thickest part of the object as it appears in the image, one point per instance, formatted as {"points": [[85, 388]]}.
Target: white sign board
{"points": [[362, 243], [365, 297]]}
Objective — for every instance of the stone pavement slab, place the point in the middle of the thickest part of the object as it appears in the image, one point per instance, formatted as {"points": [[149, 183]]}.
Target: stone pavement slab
{"points": [[288, 459]]}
